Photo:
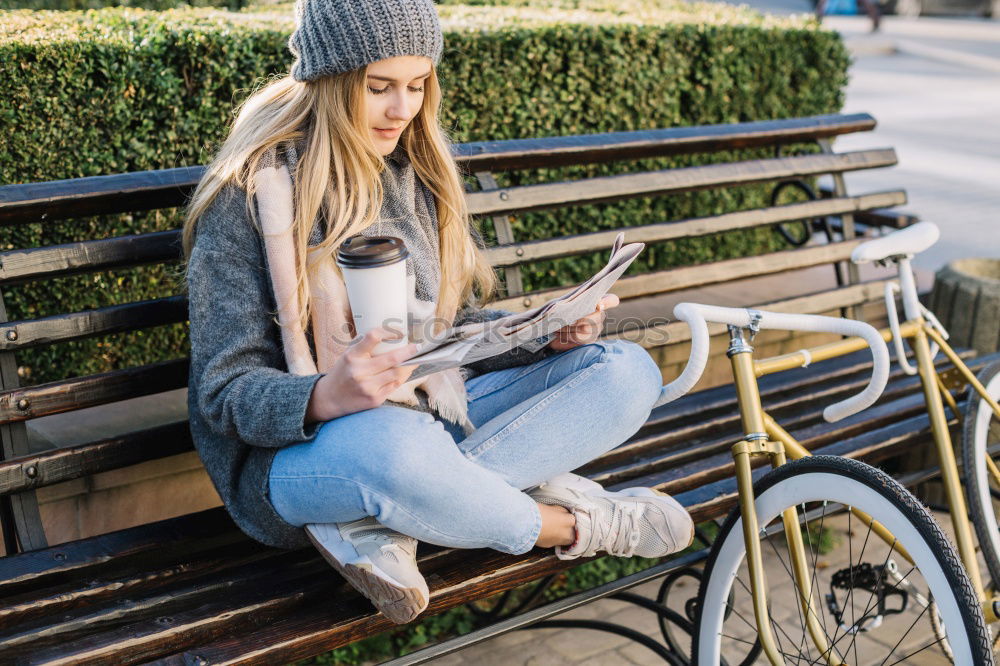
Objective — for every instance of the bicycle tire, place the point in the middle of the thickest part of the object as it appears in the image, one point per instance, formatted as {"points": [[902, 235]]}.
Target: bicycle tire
{"points": [[823, 479], [980, 428]]}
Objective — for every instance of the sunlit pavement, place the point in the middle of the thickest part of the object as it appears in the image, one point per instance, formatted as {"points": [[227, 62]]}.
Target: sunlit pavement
{"points": [[937, 101], [933, 85]]}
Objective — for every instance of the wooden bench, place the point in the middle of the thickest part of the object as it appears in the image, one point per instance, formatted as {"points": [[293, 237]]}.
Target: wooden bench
{"points": [[193, 589]]}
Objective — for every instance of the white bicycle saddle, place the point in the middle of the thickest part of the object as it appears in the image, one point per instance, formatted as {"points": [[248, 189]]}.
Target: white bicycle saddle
{"points": [[910, 241]]}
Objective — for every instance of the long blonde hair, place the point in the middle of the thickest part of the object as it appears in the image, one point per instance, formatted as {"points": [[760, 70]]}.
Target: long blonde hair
{"points": [[337, 175]]}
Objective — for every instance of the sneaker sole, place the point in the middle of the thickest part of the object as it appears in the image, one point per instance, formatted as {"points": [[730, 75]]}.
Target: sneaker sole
{"points": [[398, 603]]}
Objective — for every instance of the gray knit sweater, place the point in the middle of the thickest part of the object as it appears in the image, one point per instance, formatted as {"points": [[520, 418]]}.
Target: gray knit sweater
{"points": [[243, 403]]}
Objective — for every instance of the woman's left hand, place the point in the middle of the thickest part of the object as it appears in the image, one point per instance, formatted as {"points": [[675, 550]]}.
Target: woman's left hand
{"points": [[585, 330]]}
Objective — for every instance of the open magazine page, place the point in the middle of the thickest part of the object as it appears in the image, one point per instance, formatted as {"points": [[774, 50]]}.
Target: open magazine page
{"points": [[474, 342]]}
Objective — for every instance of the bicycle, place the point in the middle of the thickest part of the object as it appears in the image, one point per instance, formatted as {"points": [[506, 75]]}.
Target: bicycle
{"points": [[980, 423], [900, 593]]}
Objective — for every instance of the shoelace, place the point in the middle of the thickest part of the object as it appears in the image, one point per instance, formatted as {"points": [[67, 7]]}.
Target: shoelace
{"points": [[621, 536]]}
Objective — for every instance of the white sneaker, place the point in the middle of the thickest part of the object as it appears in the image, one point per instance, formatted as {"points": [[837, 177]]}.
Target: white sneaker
{"points": [[633, 521], [379, 562]]}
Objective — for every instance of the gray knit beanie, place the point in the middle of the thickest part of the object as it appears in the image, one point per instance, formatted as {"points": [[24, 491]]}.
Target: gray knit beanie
{"points": [[334, 36]]}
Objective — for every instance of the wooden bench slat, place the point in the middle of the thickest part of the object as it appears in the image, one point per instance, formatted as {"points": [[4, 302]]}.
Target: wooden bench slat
{"points": [[146, 544], [826, 301], [18, 266], [91, 390], [881, 217], [252, 606], [515, 254], [87, 605], [637, 144], [97, 195], [166, 188], [670, 181], [318, 627], [66, 464], [877, 217], [89, 323], [149, 626], [699, 275]]}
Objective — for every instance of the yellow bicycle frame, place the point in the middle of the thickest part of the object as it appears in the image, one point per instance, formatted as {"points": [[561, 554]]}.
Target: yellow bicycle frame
{"points": [[756, 442], [763, 436]]}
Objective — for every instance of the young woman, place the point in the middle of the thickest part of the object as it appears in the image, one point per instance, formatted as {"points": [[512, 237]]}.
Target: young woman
{"points": [[348, 453]]}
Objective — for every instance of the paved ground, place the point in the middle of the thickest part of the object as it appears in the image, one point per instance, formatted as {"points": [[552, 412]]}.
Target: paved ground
{"points": [[937, 100], [933, 84]]}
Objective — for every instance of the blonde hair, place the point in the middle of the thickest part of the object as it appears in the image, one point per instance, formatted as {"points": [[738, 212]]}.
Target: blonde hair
{"points": [[338, 176]]}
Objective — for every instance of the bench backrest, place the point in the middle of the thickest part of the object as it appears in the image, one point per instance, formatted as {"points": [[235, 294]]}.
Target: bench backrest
{"points": [[22, 471]]}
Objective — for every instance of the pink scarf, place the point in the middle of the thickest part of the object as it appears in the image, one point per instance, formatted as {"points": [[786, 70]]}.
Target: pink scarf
{"points": [[330, 312]]}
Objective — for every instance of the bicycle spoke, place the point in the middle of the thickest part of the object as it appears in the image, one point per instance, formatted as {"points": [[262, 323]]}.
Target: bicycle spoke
{"points": [[815, 580], [753, 625], [912, 624], [752, 643], [929, 645], [861, 555], [850, 594], [898, 617], [798, 607]]}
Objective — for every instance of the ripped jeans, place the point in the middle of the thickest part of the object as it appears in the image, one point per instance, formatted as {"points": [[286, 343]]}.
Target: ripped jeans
{"points": [[406, 469]]}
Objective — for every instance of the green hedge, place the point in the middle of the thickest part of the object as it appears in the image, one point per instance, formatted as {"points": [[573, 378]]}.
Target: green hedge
{"points": [[116, 90], [98, 4]]}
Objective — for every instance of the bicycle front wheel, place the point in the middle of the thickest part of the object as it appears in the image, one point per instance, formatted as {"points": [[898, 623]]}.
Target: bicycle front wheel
{"points": [[981, 438], [867, 604]]}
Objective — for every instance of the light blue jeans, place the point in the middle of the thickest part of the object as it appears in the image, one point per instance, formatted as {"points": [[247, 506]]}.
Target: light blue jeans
{"points": [[417, 477]]}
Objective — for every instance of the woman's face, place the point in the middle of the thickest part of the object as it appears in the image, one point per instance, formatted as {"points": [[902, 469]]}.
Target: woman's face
{"points": [[395, 95]]}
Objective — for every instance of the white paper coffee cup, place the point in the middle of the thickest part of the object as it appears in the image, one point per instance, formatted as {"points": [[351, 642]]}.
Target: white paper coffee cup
{"points": [[374, 269]]}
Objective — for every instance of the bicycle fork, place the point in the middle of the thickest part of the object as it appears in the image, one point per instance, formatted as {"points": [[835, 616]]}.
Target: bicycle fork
{"points": [[757, 443]]}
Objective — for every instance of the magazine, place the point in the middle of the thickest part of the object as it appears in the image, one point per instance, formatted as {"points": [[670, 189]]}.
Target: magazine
{"points": [[473, 342]]}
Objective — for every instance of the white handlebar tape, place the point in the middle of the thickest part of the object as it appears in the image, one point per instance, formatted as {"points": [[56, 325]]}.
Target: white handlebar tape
{"points": [[697, 317]]}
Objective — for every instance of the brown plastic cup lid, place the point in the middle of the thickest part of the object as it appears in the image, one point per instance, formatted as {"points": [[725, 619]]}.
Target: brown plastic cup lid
{"points": [[371, 251]]}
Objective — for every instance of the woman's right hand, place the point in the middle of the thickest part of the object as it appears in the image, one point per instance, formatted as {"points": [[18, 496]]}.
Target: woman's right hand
{"points": [[358, 379]]}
